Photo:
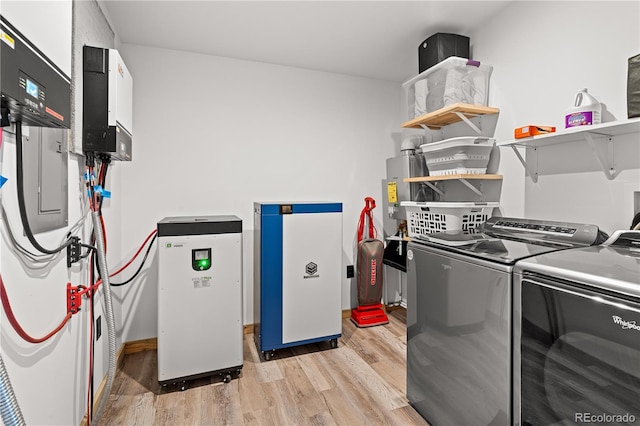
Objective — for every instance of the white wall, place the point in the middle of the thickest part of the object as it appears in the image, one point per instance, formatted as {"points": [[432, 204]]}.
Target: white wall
{"points": [[33, 19], [543, 53], [50, 379], [213, 135]]}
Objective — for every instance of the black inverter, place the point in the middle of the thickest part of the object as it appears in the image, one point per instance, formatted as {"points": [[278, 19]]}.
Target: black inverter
{"points": [[107, 106]]}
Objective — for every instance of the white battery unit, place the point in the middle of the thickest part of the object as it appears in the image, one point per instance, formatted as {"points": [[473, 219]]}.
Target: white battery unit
{"points": [[297, 274], [199, 298]]}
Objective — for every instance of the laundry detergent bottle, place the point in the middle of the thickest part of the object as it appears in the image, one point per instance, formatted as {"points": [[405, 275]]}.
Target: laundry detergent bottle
{"points": [[586, 110]]}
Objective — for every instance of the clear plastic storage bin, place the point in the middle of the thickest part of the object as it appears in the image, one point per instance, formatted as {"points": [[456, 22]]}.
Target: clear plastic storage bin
{"points": [[428, 217], [465, 155], [454, 80]]}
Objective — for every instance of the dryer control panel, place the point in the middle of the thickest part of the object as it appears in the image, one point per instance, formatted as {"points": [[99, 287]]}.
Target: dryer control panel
{"points": [[573, 234]]}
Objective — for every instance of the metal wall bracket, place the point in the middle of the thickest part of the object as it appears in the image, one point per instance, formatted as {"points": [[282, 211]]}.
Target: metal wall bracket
{"points": [[469, 122], [606, 163], [471, 187], [533, 174], [432, 186]]}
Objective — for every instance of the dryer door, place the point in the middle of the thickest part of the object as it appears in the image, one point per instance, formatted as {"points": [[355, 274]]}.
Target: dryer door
{"points": [[580, 355]]}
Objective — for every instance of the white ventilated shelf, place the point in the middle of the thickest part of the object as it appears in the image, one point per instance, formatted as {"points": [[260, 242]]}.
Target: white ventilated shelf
{"points": [[592, 135]]}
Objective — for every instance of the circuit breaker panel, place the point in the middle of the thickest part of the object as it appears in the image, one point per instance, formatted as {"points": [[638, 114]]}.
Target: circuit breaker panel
{"points": [[45, 177]]}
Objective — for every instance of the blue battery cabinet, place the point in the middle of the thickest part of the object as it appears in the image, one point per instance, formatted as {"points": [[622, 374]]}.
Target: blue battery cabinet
{"points": [[297, 274]]}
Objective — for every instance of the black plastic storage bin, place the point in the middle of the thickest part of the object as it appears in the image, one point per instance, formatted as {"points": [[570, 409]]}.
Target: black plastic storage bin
{"points": [[441, 46]]}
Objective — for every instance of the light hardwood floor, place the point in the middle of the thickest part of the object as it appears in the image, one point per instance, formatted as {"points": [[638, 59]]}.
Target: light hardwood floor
{"points": [[362, 382]]}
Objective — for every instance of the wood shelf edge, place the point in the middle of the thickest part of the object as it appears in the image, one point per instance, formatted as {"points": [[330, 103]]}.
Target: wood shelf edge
{"points": [[445, 116]]}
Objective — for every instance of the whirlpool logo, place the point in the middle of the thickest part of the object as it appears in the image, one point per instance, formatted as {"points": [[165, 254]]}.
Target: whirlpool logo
{"points": [[311, 270], [626, 325]]}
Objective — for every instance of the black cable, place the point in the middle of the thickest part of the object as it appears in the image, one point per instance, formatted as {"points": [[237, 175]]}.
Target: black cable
{"points": [[21, 203], [89, 251], [139, 267], [102, 180]]}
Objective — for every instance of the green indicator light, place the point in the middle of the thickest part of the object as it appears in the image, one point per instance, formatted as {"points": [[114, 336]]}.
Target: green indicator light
{"points": [[204, 262]]}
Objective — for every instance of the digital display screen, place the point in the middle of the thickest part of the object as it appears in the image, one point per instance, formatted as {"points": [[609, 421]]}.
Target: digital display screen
{"points": [[32, 88], [201, 254]]}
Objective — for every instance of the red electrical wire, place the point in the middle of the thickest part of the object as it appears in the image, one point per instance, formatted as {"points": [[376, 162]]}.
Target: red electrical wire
{"points": [[95, 194], [93, 287], [104, 233], [100, 183], [134, 256], [16, 326]]}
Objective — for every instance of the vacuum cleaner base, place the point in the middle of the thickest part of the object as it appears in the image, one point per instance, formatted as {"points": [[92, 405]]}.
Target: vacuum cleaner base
{"points": [[369, 316]]}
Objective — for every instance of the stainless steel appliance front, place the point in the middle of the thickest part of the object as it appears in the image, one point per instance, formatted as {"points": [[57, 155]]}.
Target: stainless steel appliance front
{"points": [[458, 337], [577, 338], [459, 316]]}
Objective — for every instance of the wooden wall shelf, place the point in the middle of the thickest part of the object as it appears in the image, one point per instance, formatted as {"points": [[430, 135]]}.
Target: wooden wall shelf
{"points": [[449, 115]]}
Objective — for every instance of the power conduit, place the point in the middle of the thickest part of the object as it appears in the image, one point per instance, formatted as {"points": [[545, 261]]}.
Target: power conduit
{"points": [[108, 306], [11, 414]]}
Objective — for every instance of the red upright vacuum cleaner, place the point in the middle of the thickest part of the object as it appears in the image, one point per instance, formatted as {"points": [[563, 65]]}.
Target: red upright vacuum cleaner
{"points": [[369, 273]]}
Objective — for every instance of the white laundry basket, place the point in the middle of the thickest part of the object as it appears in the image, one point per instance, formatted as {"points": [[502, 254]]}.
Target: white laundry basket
{"points": [[464, 155], [428, 217]]}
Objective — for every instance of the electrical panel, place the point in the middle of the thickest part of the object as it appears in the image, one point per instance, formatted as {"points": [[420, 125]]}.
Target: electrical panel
{"points": [[34, 89], [45, 163], [107, 116]]}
